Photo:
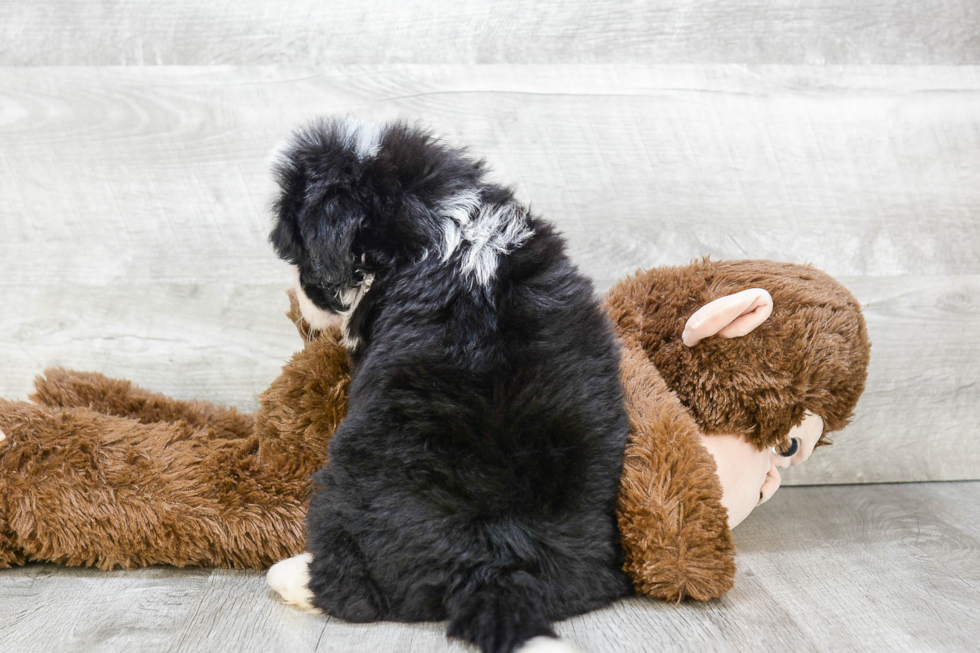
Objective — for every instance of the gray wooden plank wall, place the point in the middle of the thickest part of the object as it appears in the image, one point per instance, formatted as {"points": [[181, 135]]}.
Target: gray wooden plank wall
{"points": [[135, 139], [330, 32]]}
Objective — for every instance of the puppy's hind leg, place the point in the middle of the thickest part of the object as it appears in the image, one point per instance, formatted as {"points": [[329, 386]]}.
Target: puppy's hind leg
{"points": [[290, 579], [339, 578]]}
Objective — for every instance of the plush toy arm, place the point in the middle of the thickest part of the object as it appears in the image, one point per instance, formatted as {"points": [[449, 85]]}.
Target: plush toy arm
{"points": [[673, 525], [306, 330]]}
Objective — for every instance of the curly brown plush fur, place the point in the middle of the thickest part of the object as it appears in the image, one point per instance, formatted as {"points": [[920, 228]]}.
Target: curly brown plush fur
{"points": [[99, 472], [673, 527], [811, 354]]}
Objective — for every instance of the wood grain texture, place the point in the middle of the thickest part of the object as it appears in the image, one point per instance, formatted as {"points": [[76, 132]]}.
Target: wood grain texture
{"points": [[917, 418], [126, 32], [134, 223], [856, 568], [162, 174], [224, 342]]}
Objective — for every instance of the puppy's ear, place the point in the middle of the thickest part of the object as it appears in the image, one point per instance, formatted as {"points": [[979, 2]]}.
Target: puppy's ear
{"points": [[291, 177]]}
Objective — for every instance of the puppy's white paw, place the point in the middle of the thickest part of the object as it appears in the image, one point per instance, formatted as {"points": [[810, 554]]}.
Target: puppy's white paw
{"points": [[546, 645], [289, 578], [3, 436]]}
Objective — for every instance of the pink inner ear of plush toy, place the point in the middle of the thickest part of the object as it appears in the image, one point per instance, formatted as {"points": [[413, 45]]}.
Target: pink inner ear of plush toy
{"points": [[731, 316]]}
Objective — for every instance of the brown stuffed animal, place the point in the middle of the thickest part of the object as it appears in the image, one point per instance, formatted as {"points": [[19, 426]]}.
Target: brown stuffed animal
{"points": [[99, 472], [809, 357]]}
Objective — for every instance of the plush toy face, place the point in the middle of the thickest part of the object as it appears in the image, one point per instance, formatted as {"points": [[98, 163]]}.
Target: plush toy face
{"points": [[750, 476]]}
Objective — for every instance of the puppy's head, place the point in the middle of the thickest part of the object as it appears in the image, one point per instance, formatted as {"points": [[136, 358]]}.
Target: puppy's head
{"points": [[358, 201]]}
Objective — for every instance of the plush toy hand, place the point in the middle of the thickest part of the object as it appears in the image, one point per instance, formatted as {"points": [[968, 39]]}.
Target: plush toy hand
{"points": [[306, 332], [671, 515]]}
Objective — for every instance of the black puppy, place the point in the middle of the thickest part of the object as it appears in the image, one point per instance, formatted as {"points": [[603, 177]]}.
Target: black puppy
{"points": [[475, 476]]}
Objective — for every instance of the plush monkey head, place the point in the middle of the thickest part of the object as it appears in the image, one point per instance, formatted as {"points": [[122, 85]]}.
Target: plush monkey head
{"points": [[742, 375]]}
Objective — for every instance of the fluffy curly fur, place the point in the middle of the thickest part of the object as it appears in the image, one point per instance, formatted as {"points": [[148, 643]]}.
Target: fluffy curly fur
{"points": [[674, 528], [476, 473]]}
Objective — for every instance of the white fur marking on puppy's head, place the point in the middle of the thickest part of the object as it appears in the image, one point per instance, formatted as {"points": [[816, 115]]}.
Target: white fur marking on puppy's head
{"points": [[543, 644], [363, 137], [322, 320], [290, 579]]}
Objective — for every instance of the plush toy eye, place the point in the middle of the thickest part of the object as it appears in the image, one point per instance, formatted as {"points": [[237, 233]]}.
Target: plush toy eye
{"points": [[790, 451]]}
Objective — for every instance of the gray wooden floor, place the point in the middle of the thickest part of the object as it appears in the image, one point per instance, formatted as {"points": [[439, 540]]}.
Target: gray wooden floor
{"points": [[841, 568]]}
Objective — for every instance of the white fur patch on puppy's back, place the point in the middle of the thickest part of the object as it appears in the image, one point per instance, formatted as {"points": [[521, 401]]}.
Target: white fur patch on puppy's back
{"points": [[483, 232], [497, 230], [456, 211]]}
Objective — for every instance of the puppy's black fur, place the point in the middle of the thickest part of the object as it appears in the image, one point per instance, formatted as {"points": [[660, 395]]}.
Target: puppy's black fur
{"points": [[475, 476]]}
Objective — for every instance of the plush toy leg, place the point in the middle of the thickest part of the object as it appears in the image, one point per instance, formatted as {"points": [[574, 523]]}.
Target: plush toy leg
{"points": [[10, 553], [61, 388], [673, 525], [102, 473], [81, 488], [55, 503]]}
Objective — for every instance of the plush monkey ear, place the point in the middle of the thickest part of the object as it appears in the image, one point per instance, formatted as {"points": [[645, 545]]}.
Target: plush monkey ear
{"points": [[731, 316]]}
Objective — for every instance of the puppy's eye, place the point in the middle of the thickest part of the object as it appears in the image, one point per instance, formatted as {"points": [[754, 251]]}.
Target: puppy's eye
{"points": [[789, 451]]}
